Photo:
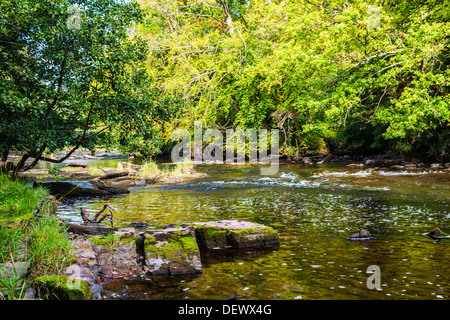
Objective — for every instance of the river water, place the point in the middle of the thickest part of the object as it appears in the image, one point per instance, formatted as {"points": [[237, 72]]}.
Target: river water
{"points": [[314, 208]]}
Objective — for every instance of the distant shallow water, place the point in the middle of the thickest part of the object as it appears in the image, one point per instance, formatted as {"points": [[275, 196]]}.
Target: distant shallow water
{"points": [[314, 208]]}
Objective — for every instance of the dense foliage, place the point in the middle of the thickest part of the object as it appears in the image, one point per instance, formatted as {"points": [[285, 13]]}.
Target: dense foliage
{"points": [[337, 75], [72, 75], [346, 75]]}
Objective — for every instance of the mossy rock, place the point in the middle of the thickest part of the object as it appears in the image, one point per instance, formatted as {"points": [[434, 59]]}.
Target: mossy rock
{"points": [[172, 251], [211, 237], [234, 234], [61, 287]]}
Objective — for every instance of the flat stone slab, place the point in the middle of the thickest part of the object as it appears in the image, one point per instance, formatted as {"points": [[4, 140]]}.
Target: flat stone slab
{"points": [[124, 254], [90, 228], [116, 257], [77, 164], [233, 234], [171, 251]]}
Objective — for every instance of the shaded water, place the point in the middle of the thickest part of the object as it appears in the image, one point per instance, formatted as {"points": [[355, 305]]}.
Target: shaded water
{"points": [[314, 209]]}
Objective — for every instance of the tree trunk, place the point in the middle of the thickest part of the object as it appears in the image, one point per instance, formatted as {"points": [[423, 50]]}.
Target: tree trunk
{"points": [[228, 20]]}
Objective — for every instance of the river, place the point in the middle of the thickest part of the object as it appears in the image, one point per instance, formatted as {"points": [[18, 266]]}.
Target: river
{"points": [[314, 208]]}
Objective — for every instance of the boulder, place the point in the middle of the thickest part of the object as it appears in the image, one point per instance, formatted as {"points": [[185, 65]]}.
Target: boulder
{"points": [[436, 166], [171, 251], [234, 234], [438, 234], [364, 234], [113, 175], [131, 166], [78, 175]]}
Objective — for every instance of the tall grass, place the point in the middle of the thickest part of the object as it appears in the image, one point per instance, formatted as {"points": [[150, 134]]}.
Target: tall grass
{"points": [[95, 171], [17, 201], [184, 167], [50, 246], [150, 170]]}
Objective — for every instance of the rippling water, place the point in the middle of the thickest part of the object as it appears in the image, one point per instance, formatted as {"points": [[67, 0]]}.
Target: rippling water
{"points": [[314, 209]]}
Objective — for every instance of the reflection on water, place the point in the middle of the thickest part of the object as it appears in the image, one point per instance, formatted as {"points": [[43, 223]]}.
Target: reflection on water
{"points": [[314, 208]]}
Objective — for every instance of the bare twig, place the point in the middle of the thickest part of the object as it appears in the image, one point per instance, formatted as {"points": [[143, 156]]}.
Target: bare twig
{"points": [[97, 219]]}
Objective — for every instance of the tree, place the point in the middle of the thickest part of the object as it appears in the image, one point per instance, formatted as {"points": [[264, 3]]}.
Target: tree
{"points": [[356, 76], [71, 72]]}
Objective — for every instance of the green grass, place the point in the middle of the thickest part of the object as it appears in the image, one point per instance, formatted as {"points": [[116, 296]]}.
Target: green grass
{"points": [[150, 170], [50, 246], [49, 249], [17, 201], [184, 167], [72, 169], [95, 171]]}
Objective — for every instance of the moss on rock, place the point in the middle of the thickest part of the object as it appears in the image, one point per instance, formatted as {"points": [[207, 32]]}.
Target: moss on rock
{"points": [[234, 234], [172, 251], [61, 287]]}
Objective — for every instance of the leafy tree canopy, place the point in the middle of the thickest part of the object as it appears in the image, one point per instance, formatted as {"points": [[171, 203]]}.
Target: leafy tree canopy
{"points": [[351, 75], [72, 75]]}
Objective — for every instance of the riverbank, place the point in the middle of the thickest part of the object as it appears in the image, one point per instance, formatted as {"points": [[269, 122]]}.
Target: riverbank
{"points": [[86, 179], [51, 259], [33, 242]]}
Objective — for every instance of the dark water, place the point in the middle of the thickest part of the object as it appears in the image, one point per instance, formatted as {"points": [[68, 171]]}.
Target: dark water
{"points": [[314, 209]]}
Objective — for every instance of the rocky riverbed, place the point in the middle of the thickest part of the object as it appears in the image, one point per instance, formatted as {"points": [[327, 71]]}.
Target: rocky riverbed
{"points": [[77, 180], [104, 254]]}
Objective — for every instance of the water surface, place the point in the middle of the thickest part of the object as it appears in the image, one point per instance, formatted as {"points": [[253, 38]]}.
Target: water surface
{"points": [[314, 209]]}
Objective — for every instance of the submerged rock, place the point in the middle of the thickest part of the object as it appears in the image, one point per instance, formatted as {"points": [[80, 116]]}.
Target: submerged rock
{"points": [[438, 234], [234, 234], [364, 234], [139, 225]]}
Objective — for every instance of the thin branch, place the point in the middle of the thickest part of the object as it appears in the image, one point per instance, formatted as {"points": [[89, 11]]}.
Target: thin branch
{"points": [[74, 148]]}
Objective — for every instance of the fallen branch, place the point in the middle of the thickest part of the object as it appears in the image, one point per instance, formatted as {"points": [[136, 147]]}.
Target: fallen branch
{"points": [[97, 219]]}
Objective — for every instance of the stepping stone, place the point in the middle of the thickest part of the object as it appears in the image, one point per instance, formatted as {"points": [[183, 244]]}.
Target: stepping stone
{"points": [[171, 251], [233, 234]]}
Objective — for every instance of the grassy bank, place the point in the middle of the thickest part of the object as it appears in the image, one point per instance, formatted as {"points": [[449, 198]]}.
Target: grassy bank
{"points": [[30, 234], [150, 169]]}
